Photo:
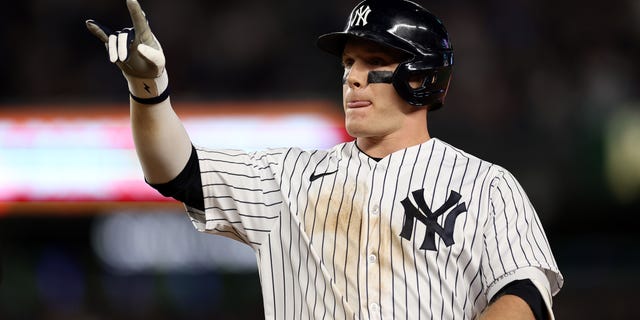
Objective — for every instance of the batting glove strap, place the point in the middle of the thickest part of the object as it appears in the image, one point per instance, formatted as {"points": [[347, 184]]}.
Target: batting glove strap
{"points": [[149, 91], [162, 97]]}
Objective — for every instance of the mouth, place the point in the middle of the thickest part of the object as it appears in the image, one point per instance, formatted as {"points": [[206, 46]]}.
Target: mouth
{"points": [[358, 104]]}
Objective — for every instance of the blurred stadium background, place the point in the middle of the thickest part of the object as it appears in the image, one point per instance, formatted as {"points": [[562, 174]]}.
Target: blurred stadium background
{"points": [[547, 89]]}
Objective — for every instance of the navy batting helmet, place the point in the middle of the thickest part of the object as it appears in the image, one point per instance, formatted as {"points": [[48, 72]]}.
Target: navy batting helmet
{"points": [[406, 26]]}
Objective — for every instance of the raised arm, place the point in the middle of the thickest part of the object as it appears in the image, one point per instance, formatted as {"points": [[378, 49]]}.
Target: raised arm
{"points": [[162, 143]]}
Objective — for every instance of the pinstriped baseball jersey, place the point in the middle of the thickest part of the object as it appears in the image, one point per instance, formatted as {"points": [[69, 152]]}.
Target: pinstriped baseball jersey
{"points": [[425, 233]]}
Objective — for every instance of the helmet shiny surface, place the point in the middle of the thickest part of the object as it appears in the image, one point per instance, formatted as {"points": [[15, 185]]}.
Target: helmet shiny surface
{"points": [[406, 26]]}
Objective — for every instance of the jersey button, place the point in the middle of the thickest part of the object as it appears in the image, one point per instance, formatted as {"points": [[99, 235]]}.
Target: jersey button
{"points": [[375, 210], [372, 258], [374, 307]]}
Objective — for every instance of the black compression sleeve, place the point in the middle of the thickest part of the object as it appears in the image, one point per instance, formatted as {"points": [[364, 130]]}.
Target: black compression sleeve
{"points": [[526, 290], [187, 186]]}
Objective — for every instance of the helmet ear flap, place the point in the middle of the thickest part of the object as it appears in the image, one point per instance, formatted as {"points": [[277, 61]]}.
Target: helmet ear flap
{"points": [[432, 87]]}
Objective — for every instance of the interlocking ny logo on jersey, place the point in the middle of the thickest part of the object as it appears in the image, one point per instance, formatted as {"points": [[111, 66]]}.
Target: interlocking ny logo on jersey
{"points": [[359, 17], [430, 219]]}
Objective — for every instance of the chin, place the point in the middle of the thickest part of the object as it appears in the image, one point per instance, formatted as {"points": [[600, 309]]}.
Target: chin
{"points": [[352, 132], [358, 127], [355, 128], [359, 132]]}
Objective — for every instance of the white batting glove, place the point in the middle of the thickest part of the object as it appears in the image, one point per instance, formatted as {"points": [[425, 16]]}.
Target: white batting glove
{"points": [[137, 52]]}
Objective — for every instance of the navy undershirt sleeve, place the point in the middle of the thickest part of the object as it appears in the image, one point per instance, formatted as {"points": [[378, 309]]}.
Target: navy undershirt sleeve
{"points": [[187, 186], [526, 290]]}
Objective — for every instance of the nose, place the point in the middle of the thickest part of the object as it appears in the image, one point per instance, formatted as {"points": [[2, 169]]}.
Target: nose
{"points": [[355, 76]]}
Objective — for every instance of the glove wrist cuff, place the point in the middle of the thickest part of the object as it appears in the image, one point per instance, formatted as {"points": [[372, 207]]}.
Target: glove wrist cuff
{"points": [[162, 97], [145, 88]]}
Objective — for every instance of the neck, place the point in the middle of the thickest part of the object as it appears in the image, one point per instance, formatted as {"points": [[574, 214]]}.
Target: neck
{"points": [[411, 131], [380, 147]]}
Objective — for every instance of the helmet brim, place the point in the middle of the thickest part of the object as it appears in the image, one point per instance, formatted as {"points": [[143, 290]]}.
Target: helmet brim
{"points": [[334, 42]]}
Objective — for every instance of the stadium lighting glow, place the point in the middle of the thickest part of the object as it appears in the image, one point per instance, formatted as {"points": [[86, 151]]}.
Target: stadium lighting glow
{"points": [[91, 158]]}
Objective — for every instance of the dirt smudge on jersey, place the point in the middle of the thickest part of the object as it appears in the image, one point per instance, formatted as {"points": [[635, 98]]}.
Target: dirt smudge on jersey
{"points": [[335, 231]]}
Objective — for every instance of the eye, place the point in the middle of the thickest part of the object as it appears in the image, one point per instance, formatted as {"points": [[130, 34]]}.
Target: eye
{"points": [[347, 63], [378, 62]]}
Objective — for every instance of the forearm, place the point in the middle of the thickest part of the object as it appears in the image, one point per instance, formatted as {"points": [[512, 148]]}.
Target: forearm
{"points": [[508, 307], [162, 144]]}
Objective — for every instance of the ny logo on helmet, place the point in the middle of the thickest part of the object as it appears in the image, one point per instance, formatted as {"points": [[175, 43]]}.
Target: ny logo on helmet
{"points": [[359, 17], [424, 214]]}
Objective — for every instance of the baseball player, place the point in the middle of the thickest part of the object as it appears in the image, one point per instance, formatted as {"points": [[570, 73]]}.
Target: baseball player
{"points": [[395, 224]]}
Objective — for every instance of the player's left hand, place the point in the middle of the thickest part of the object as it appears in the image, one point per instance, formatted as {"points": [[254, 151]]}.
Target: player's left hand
{"points": [[136, 51]]}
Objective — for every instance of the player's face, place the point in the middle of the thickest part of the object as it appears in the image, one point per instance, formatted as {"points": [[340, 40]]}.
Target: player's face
{"points": [[372, 109]]}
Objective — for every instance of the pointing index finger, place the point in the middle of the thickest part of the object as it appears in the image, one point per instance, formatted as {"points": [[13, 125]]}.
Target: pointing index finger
{"points": [[139, 21], [98, 30]]}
